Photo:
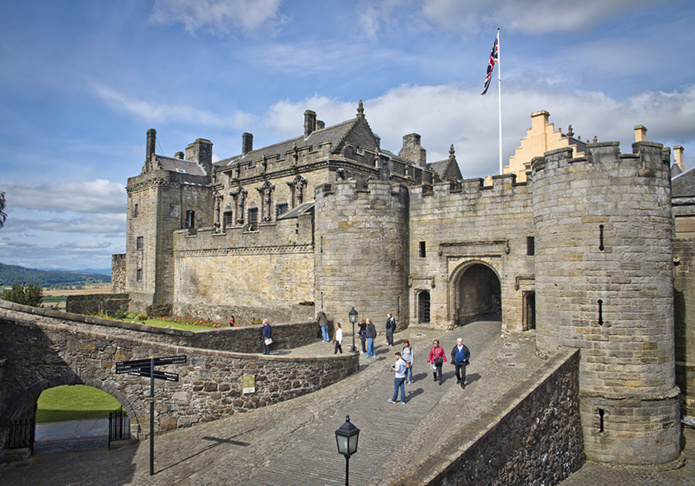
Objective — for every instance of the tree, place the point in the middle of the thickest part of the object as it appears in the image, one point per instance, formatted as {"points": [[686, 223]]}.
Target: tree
{"points": [[3, 216], [24, 294]]}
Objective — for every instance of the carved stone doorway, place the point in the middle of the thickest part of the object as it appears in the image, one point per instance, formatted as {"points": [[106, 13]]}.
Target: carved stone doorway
{"points": [[478, 295]]}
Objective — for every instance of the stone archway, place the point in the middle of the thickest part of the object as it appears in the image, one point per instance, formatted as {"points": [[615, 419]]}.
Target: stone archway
{"points": [[477, 294]]}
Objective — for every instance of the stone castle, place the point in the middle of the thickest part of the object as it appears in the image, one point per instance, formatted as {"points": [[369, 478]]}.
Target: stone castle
{"points": [[575, 242]]}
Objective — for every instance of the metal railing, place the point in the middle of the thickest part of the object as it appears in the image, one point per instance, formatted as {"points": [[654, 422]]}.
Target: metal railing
{"points": [[119, 425]]}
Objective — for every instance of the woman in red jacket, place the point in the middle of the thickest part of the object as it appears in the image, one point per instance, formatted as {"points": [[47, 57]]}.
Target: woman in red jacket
{"points": [[437, 358]]}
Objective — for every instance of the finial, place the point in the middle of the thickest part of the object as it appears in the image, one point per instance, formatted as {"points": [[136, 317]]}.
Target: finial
{"points": [[360, 109], [570, 132], [595, 139], [452, 154]]}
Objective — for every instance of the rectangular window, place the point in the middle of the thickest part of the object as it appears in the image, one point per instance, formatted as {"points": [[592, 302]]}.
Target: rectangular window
{"points": [[253, 219], [190, 219], [530, 246], [282, 209], [138, 274], [139, 243], [135, 211], [227, 219], [423, 249]]}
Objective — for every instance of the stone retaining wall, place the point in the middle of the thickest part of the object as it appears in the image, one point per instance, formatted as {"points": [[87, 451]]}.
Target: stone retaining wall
{"points": [[109, 304], [531, 435]]}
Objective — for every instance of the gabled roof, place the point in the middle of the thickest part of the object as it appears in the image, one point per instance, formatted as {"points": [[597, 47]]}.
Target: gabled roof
{"points": [[179, 165], [446, 169], [335, 134], [683, 185]]}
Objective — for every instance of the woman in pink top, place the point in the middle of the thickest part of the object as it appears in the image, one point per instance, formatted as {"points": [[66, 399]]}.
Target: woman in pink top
{"points": [[437, 358]]}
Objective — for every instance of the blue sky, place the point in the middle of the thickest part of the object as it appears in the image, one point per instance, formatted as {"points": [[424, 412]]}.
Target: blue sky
{"points": [[82, 82]]}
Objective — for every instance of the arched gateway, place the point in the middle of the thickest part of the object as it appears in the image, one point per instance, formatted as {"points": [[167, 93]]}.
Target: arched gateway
{"points": [[477, 294]]}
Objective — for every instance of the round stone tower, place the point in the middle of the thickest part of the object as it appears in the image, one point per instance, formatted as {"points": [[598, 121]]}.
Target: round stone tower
{"points": [[361, 251], [604, 284]]}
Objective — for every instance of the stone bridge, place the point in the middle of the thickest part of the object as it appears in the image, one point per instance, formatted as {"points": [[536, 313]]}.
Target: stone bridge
{"points": [[42, 348]]}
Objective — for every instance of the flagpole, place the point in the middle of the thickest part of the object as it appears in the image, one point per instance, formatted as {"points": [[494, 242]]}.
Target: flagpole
{"points": [[499, 91]]}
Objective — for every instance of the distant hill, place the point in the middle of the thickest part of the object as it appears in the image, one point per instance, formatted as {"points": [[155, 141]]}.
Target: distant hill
{"points": [[10, 274]]}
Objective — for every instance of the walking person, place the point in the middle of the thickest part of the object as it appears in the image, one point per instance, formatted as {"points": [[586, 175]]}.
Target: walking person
{"points": [[390, 327], [338, 339], [322, 321], [363, 335], [407, 355], [399, 379], [459, 358], [437, 357], [371, 336], [267, 336]]}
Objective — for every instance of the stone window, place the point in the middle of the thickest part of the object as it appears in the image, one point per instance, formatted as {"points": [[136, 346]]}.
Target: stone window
{"points": [[530, 245], [423, 249], [253, 219], [227, 219], [138, 275], [139, 243], [135, 211], [282, 209], [190, 219]]}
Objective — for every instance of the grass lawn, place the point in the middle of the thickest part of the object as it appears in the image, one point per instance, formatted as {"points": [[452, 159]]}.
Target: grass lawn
{"points": [[173, 325], [74, 402]]}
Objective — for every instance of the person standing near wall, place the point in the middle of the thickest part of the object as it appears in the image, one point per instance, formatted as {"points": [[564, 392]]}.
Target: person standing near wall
{"points": [[459, 358], [266, 336], [338, 339], [437, 357], [323, 324], [363, 335], [371, 336], [390, 327]]}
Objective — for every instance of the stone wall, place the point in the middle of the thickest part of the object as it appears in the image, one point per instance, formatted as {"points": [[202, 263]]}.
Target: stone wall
{"points": [[109, 304], [684, 298], [39, 350], [118, 273], [531, 435]]}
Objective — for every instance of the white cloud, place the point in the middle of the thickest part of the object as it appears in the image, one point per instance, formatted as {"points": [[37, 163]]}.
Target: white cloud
{"points": [[527, 16], [218, 16], [107, 224], [99, 196], [164, 113], [447, 114]]}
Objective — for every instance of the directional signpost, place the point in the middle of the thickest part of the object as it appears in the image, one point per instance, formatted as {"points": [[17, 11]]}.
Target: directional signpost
{"points": [[145, 367]]}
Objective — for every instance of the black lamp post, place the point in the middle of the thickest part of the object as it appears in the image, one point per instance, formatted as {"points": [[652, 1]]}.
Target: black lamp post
{"points": [[353, 319], [346, 437]]}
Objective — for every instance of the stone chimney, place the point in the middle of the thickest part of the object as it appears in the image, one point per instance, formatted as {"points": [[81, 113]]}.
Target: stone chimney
{"points": [[678, 157], [309, 122], [640, 133], [320, 124], [539, 120], [178, 155], [246, 143], [412, 150], [149, 151], [201, 151]]}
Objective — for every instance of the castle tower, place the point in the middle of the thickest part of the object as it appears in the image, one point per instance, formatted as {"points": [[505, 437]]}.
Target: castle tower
{"points": [[604, 284], [361, 250]]}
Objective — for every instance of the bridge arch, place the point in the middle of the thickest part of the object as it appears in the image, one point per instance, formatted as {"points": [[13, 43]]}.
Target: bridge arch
{"points": [[475, 292]]}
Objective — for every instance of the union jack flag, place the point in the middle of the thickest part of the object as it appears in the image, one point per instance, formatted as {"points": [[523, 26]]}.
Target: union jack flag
{"points": [[494, 57]]}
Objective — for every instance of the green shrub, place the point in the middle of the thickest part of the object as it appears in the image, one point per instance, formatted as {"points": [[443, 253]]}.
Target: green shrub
{"points": [[141, 316]]}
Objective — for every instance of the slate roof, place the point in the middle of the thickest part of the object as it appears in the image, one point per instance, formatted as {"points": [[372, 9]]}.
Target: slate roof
{"points": [[336, 134], [301, 209], [683, 185], [179, 165], [446, 169]]}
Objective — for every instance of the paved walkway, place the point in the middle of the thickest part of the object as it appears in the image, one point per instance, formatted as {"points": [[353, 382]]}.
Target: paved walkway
{"points": [[293, 443]]}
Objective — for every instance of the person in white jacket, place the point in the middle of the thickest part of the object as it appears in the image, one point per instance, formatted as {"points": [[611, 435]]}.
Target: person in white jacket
{"points": [[338, 338]]}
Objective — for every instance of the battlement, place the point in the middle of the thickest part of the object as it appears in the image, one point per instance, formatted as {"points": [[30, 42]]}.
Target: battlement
{"points": [[646, 157], [352, 190]]}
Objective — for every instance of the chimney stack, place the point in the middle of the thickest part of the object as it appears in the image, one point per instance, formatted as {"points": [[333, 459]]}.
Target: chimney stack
{"points": [[246, 143], [151, 144], [201, 151], [640, 133], [309, 122], [320, 124], [678, 156]]}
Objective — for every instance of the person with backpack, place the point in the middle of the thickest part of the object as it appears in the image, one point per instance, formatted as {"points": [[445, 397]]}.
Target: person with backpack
{"points": [[459, 358]]}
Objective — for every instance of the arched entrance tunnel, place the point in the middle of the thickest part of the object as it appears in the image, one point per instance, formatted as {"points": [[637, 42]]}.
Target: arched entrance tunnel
{"points": [[478, 295]]}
